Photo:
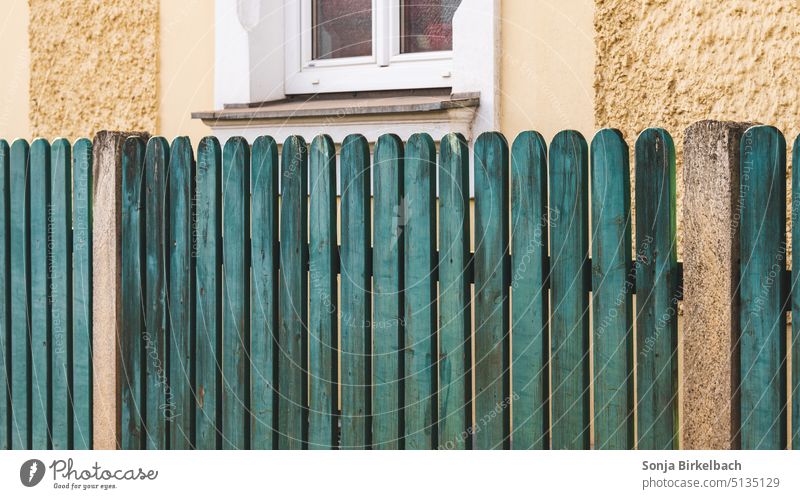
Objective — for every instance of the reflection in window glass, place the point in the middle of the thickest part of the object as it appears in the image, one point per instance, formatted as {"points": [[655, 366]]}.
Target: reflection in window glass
{"points": [[341, 28], [426, 25]]}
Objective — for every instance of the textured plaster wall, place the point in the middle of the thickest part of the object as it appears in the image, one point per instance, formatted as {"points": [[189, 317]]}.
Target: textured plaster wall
{"points": [[547, 66], [93, 66], [15, 61], [673, 62]]}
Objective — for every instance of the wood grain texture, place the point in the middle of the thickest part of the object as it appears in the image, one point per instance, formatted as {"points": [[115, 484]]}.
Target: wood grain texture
{"points": [[5, 298], [19, 182], [292, 341], [529, 305], [59, 235], [387, 282], [455, 324], [156, 366], [763, 290], [656, 291], [82, 400], [132, 325], [795, 297], [236, 293], [569, 290], [492, 320], [180, 286], [264, 294], [40, 292], [208, 295], [612, 292], [419, 231], [323, 317], [356, 290]]}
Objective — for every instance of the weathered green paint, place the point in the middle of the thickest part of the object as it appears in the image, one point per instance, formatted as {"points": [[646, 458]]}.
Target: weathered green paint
{"points": [[455, 328], [82, 294], [656, 291], [612, 292], [5, 299], [131, 371], [236, 293], [180, 311], [795, 290], [492, 397], [763, 292], [387, 282], [418, 211], [529, 298], [569, 290], [292, 356], [356, 289], [59, 235], [322, 321], [157, 406], [264, 294], [40, 291], [208, 295], [20, 296]]}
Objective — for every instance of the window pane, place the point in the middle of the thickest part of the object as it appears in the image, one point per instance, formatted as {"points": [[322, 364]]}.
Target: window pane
{"points": [[341, 28], [426, 25]]}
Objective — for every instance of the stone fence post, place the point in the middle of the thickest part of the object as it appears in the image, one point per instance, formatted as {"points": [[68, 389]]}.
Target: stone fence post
{"points": [[107, 268], [711, 276]]}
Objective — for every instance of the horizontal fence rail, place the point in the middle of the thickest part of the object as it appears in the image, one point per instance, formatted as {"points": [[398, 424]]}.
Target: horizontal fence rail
{"points": [[337, 297], [46, 295], [259, 317]]}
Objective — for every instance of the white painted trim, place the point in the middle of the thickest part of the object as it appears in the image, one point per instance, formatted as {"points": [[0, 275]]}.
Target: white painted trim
{"points": [[249, 62]]}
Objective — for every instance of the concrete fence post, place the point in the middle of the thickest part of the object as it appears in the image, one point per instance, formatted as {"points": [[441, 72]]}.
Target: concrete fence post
{"points": [[107, 271], [710, 376]]}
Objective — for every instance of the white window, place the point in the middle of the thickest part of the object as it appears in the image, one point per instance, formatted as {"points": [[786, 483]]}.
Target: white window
{"points": [[357, 45]]}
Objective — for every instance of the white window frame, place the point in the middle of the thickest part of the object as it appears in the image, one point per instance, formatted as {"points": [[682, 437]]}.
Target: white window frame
{"points": [[385, 69]]}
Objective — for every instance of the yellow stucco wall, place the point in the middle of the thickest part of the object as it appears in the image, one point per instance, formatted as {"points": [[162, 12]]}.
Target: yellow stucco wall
{"points": [[14, 102], [547, 66], [187, 66], [94, 66]]}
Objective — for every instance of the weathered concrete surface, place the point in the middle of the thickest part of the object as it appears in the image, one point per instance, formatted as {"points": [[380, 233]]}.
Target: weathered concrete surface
{"points": [[107, 265], [711, 275]]}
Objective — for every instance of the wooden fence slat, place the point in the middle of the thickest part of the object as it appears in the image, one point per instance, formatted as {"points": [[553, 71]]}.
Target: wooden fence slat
{"points": [[795, 296], [59, 235], [40, 290], [264, 294], [529, 298], [208, 295], [419, 218], [292, 382], [179, 305], [157, 404], [82, 293], [236, 293], [132, 433], [455, 328], [322, 321], [492, 319], [656, 291], [355, 351], [5, 299], [20, 295], [387, 282], [763, 288], [612, 292], [569, 290]]}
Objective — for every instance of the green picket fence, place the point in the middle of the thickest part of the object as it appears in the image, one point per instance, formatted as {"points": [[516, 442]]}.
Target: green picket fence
{"points": [[45, 295], [258, 319]]}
